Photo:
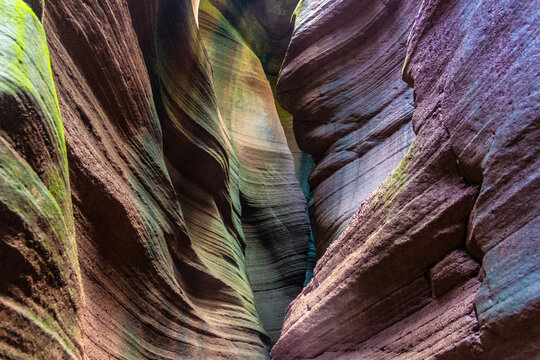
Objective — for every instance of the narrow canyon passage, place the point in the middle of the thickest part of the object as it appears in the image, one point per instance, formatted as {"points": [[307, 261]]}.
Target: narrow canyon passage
{"points": [[256, 179]]}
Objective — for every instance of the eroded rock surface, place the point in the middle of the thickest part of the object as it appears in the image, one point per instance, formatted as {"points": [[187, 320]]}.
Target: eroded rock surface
{"points": [[341, 81], [265, 26], [273, 219], [153, 193], [40, 281], [468, 179], [172, 233], [456, 267]]}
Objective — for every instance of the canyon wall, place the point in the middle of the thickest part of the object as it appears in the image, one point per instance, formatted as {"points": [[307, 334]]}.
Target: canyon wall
{"points": [[169, 168], [40, 279], [272, 204], [342, 83], [441, 260], [166, 246]]}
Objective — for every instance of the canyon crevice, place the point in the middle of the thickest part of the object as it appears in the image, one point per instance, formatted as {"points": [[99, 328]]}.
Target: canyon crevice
{"points": [[231, 179]]}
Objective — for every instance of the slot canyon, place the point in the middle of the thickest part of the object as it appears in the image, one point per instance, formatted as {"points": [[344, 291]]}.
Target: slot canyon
{"points": [[270, 179]]}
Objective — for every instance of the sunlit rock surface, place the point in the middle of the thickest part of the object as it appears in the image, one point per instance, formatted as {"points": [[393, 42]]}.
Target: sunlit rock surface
{"points": [[265, 26], [273, 218], [467, 182], [154, 194], [341, 81]]}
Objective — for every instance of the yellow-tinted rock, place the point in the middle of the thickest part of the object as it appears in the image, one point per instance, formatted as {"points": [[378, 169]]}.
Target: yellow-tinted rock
{"points": [[271, 201]]}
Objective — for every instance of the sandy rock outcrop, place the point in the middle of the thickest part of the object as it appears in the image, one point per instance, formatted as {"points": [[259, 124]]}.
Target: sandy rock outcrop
{"points": [[468, 180]]}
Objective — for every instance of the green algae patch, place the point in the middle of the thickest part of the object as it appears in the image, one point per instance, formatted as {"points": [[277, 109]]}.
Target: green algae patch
{"points": [[399, 177], [405, 63], [25, 65], [297, 13], [26, 80], [43, 286]]}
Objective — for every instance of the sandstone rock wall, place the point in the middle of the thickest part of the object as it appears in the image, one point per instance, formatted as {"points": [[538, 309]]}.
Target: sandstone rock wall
{"points": [[171, 233], [264, 25], [341, 81], [401, 280], [155, 194], [40, 279], [273, 218]]}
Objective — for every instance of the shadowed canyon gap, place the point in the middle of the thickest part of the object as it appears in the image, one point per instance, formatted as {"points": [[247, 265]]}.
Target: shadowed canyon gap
{"points": [[172, 170]]}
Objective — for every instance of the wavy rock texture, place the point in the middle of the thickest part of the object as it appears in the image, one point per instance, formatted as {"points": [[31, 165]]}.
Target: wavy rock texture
{"points": [[172, 231], [303, 166], [341, 82], [148, 202], [40, 283], [265, 26], [273, 218], [148, 291], [468, 181]]}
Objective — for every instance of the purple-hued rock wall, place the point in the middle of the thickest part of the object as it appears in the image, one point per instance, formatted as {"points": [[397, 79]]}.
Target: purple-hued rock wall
{"points": [[440, 261], [230, 179]]}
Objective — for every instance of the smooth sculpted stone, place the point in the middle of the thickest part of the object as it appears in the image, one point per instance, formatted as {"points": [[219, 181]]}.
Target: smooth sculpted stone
{"points": [[469, 179], [265, 26], [303, 166], [40, 283], [341, 81], [273, 217], [157, 225], [154, 194]]}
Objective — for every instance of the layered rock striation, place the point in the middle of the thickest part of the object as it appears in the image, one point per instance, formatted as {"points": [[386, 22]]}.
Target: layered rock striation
{"points": [[158, 241], [341, 82], [402, 280], [265, 27], [156, 198], [147, 284], [40, 279], [273, 219]]}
